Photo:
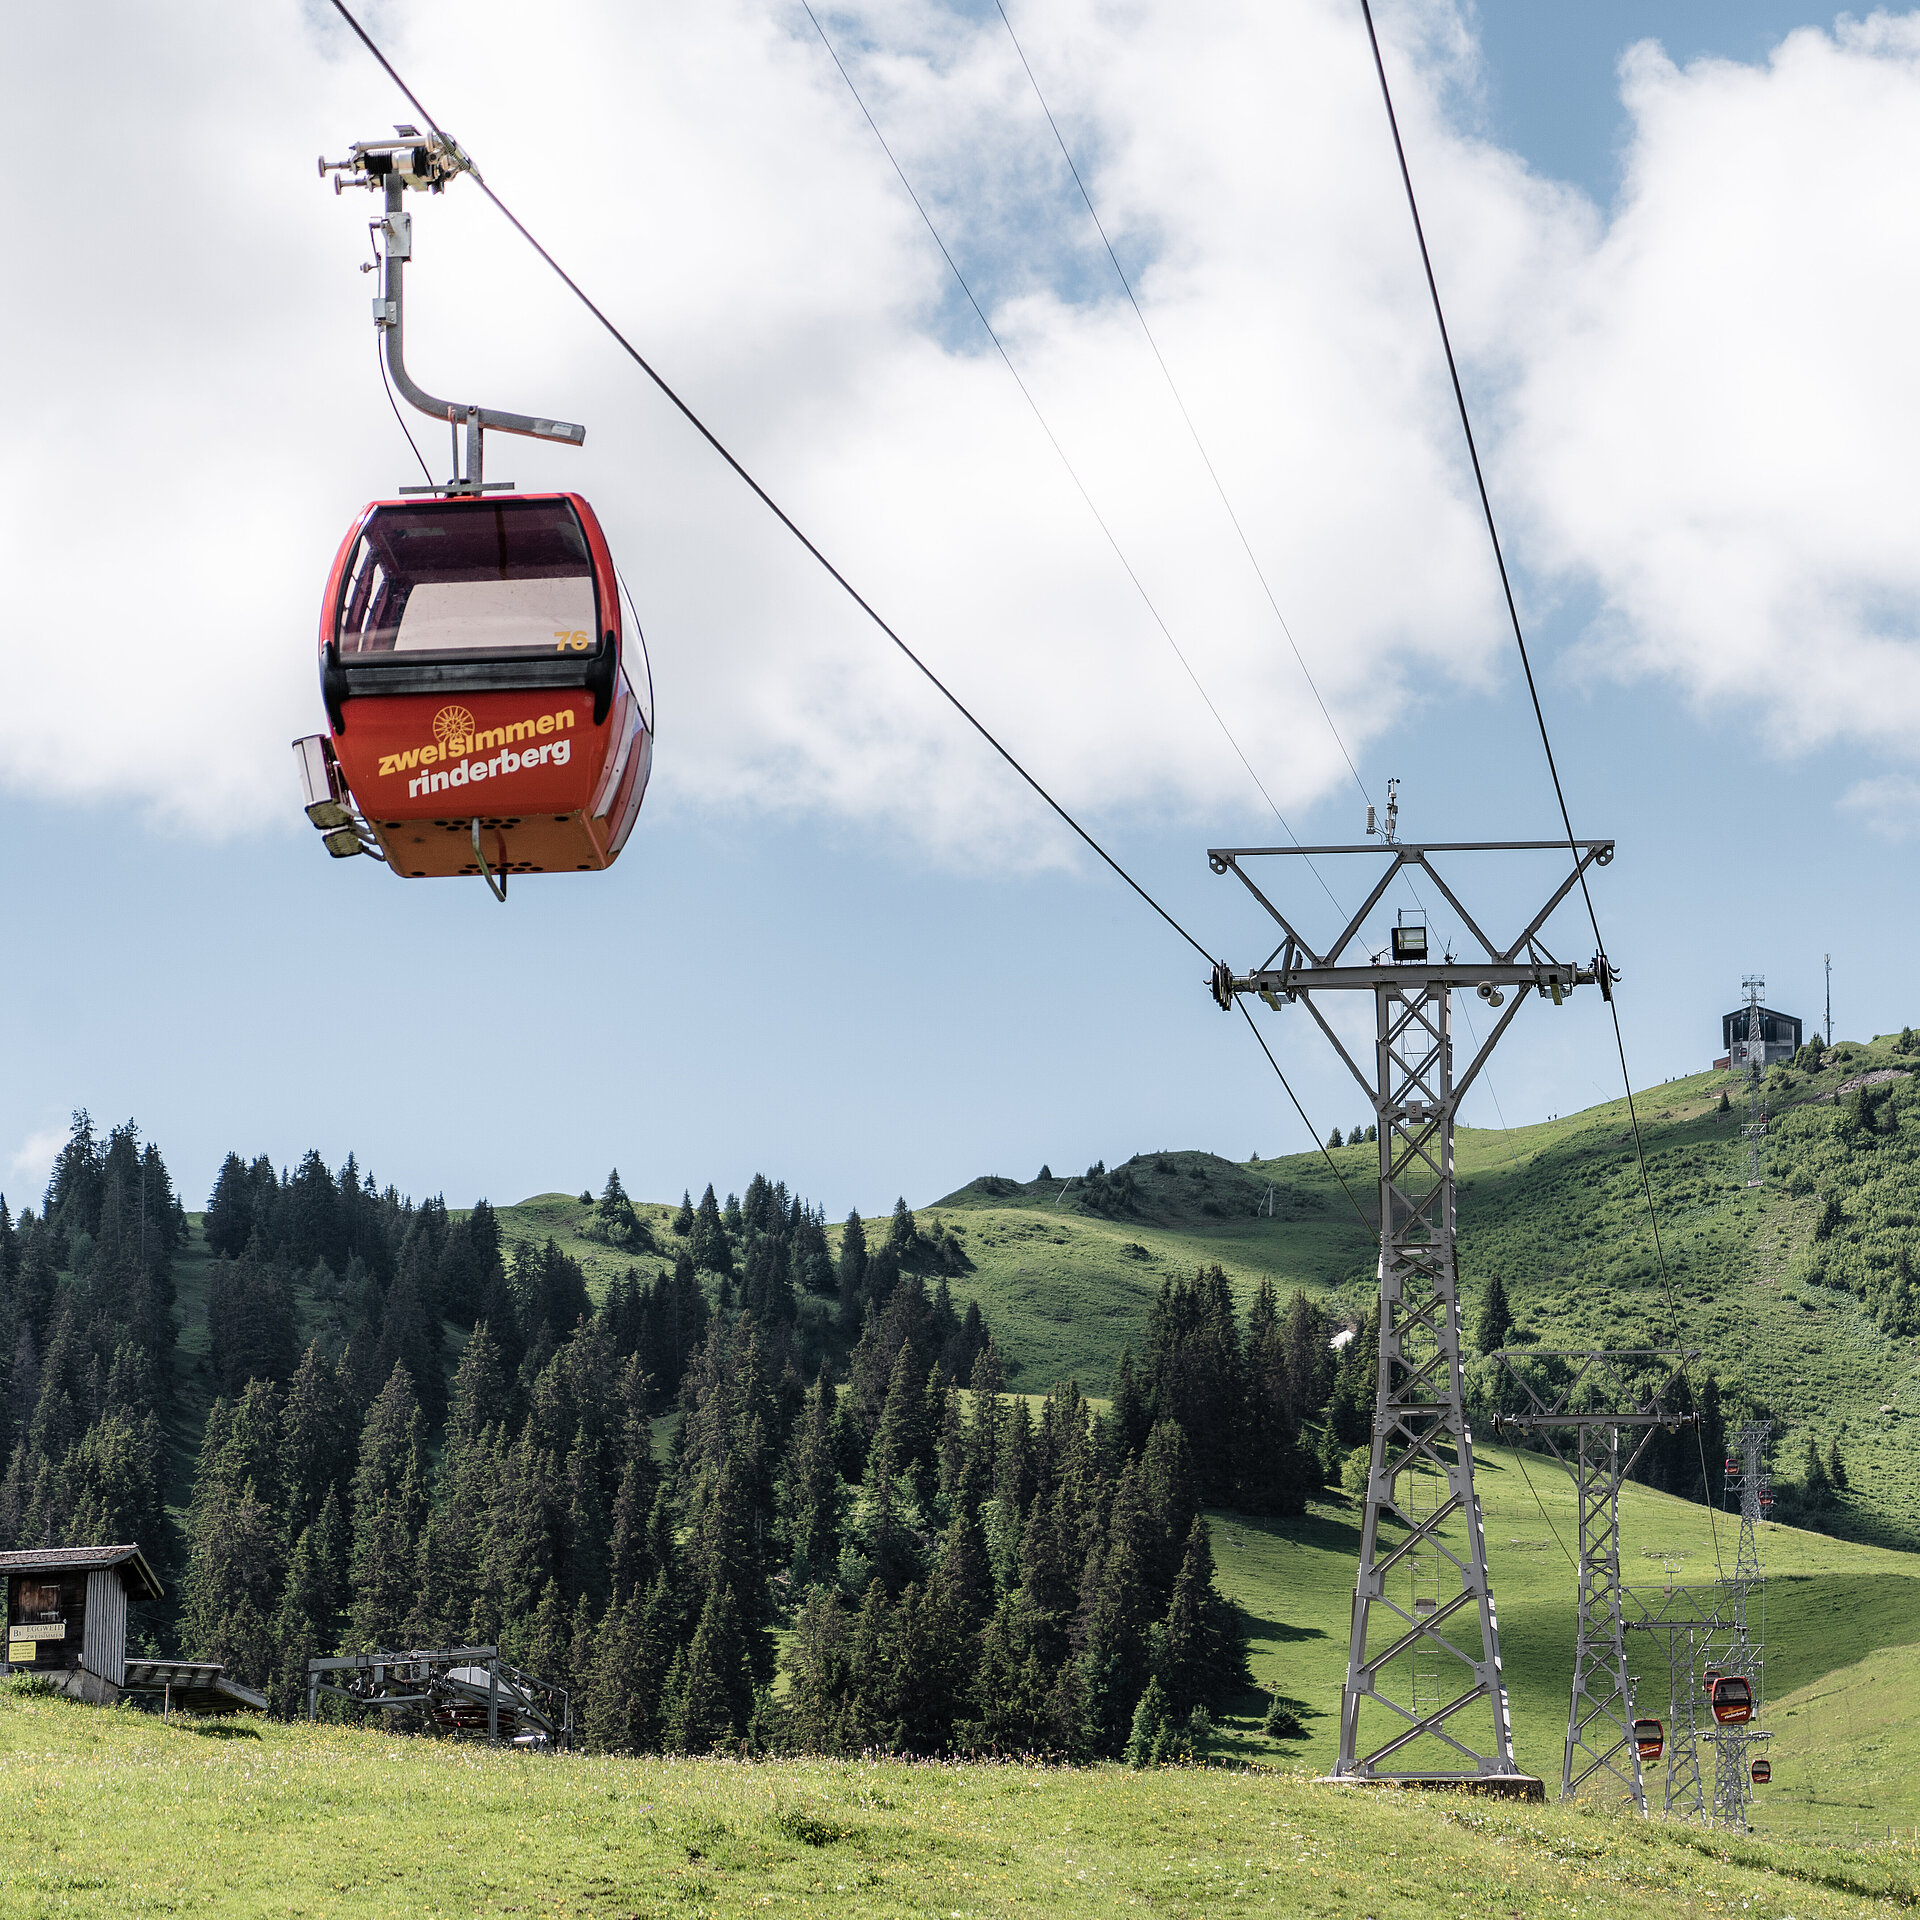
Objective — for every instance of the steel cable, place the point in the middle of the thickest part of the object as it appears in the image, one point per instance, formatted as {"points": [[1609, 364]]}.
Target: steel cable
{"points": [[766, 499], [1539, 713], [1026, 393]]}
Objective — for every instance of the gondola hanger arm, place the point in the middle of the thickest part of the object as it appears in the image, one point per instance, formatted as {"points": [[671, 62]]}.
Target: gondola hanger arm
{"points": [[390, 167]]}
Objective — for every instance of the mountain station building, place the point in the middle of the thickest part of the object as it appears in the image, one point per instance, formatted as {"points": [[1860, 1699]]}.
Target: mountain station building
{"points": [[1779, 1039]]}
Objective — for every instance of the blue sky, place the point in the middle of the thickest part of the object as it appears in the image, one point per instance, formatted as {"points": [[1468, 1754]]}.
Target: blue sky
{"points": [[841, 994]]}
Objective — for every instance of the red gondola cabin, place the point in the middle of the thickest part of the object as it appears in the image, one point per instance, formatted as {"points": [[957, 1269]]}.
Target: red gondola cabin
{"points": [[1762, 1772], [1649, 1739], [472, 665], [1732, 1699]]}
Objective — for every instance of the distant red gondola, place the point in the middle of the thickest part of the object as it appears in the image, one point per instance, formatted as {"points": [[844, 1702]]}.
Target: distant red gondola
{"points": [[1762, 1772], [1731, 1696], [1649, 1738]]}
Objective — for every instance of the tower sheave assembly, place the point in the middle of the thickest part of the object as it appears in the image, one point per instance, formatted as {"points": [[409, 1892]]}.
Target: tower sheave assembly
{"points": [[1425, 1700]]}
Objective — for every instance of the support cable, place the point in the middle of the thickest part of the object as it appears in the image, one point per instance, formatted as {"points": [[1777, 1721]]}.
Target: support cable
{"points": [[1026, 393], [400, 419], [1533, 694], [1520, 1460], [1372, 1226], [760, 492], [1206, 459], [840, 579]]}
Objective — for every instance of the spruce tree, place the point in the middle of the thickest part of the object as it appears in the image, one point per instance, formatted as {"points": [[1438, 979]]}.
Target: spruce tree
{"points": [[1495, 1319], [1115, 1660], [389, 1512], [1200, 1647], [544, 1644], [1151, 1737], [708, 1241], [316, 1441], [852, 1270], [622, 1705], [1170, 1499], [236, 1554], [705, 1688], [112, 1488], [1306, 1362], [453, 1544], [812, 1494], [1816, 1488], [519, 1557], [306, 1624], [584, 1562], [1132, 1416], [228, 1221], [903, 1445], [614, 1219], [251, 1318]]}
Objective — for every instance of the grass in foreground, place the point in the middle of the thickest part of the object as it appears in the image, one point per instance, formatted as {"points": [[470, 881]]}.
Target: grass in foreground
{"points": [[112, 1812]]}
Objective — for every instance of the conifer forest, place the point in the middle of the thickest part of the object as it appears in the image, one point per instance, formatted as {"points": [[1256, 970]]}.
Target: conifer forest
{"points": [[755, 1453]]}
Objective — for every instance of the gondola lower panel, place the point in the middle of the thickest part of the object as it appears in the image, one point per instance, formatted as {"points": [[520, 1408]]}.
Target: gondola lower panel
{"points": [[553, 793]]}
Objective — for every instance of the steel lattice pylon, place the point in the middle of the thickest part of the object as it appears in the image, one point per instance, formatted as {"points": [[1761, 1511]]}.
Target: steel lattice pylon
{"points": [[1592, 1394], [1424, 1646], [1600, 1711], [1420, 1432]]}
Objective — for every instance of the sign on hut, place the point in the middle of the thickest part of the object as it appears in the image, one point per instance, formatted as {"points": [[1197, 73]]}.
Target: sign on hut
{"points": [[67, 1620]]}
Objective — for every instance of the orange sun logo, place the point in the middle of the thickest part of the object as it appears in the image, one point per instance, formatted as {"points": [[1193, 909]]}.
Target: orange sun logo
{"points": [[453, 726]]}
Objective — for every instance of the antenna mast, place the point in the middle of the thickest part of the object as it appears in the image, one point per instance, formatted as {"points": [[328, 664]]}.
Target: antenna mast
{"points": [[1756, 1128]]}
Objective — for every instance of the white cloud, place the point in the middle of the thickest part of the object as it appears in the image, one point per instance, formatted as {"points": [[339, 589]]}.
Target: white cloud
{"points": [[1716, 424], [1700, 407], [1889, 804], [30, 1165]]}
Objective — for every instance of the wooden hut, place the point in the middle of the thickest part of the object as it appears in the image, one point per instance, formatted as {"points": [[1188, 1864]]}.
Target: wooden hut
{"points": [[67, 1614]]}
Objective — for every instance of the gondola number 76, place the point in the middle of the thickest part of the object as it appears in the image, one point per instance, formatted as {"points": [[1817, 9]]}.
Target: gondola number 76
{"points": [[575, 642]]}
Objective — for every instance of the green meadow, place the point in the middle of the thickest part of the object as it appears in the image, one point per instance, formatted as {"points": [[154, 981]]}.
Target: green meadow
{"points": [[112, 1812]]}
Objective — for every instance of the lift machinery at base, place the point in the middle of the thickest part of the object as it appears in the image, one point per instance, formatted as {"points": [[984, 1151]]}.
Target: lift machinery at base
{"points": [[481, 719], [459, 1692]]}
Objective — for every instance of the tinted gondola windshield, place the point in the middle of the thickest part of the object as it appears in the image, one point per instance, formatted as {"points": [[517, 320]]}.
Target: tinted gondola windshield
{"points": [[472, 576]]}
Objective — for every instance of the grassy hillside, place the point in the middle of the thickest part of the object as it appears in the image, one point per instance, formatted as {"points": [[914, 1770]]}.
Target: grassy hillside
{"points": [[113, 1812], [1556, 1209], [1067, 1268]]}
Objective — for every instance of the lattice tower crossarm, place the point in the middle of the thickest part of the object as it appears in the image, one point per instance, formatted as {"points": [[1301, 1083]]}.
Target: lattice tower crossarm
{"points": [[1424, 1640], [1600, 1709]]}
